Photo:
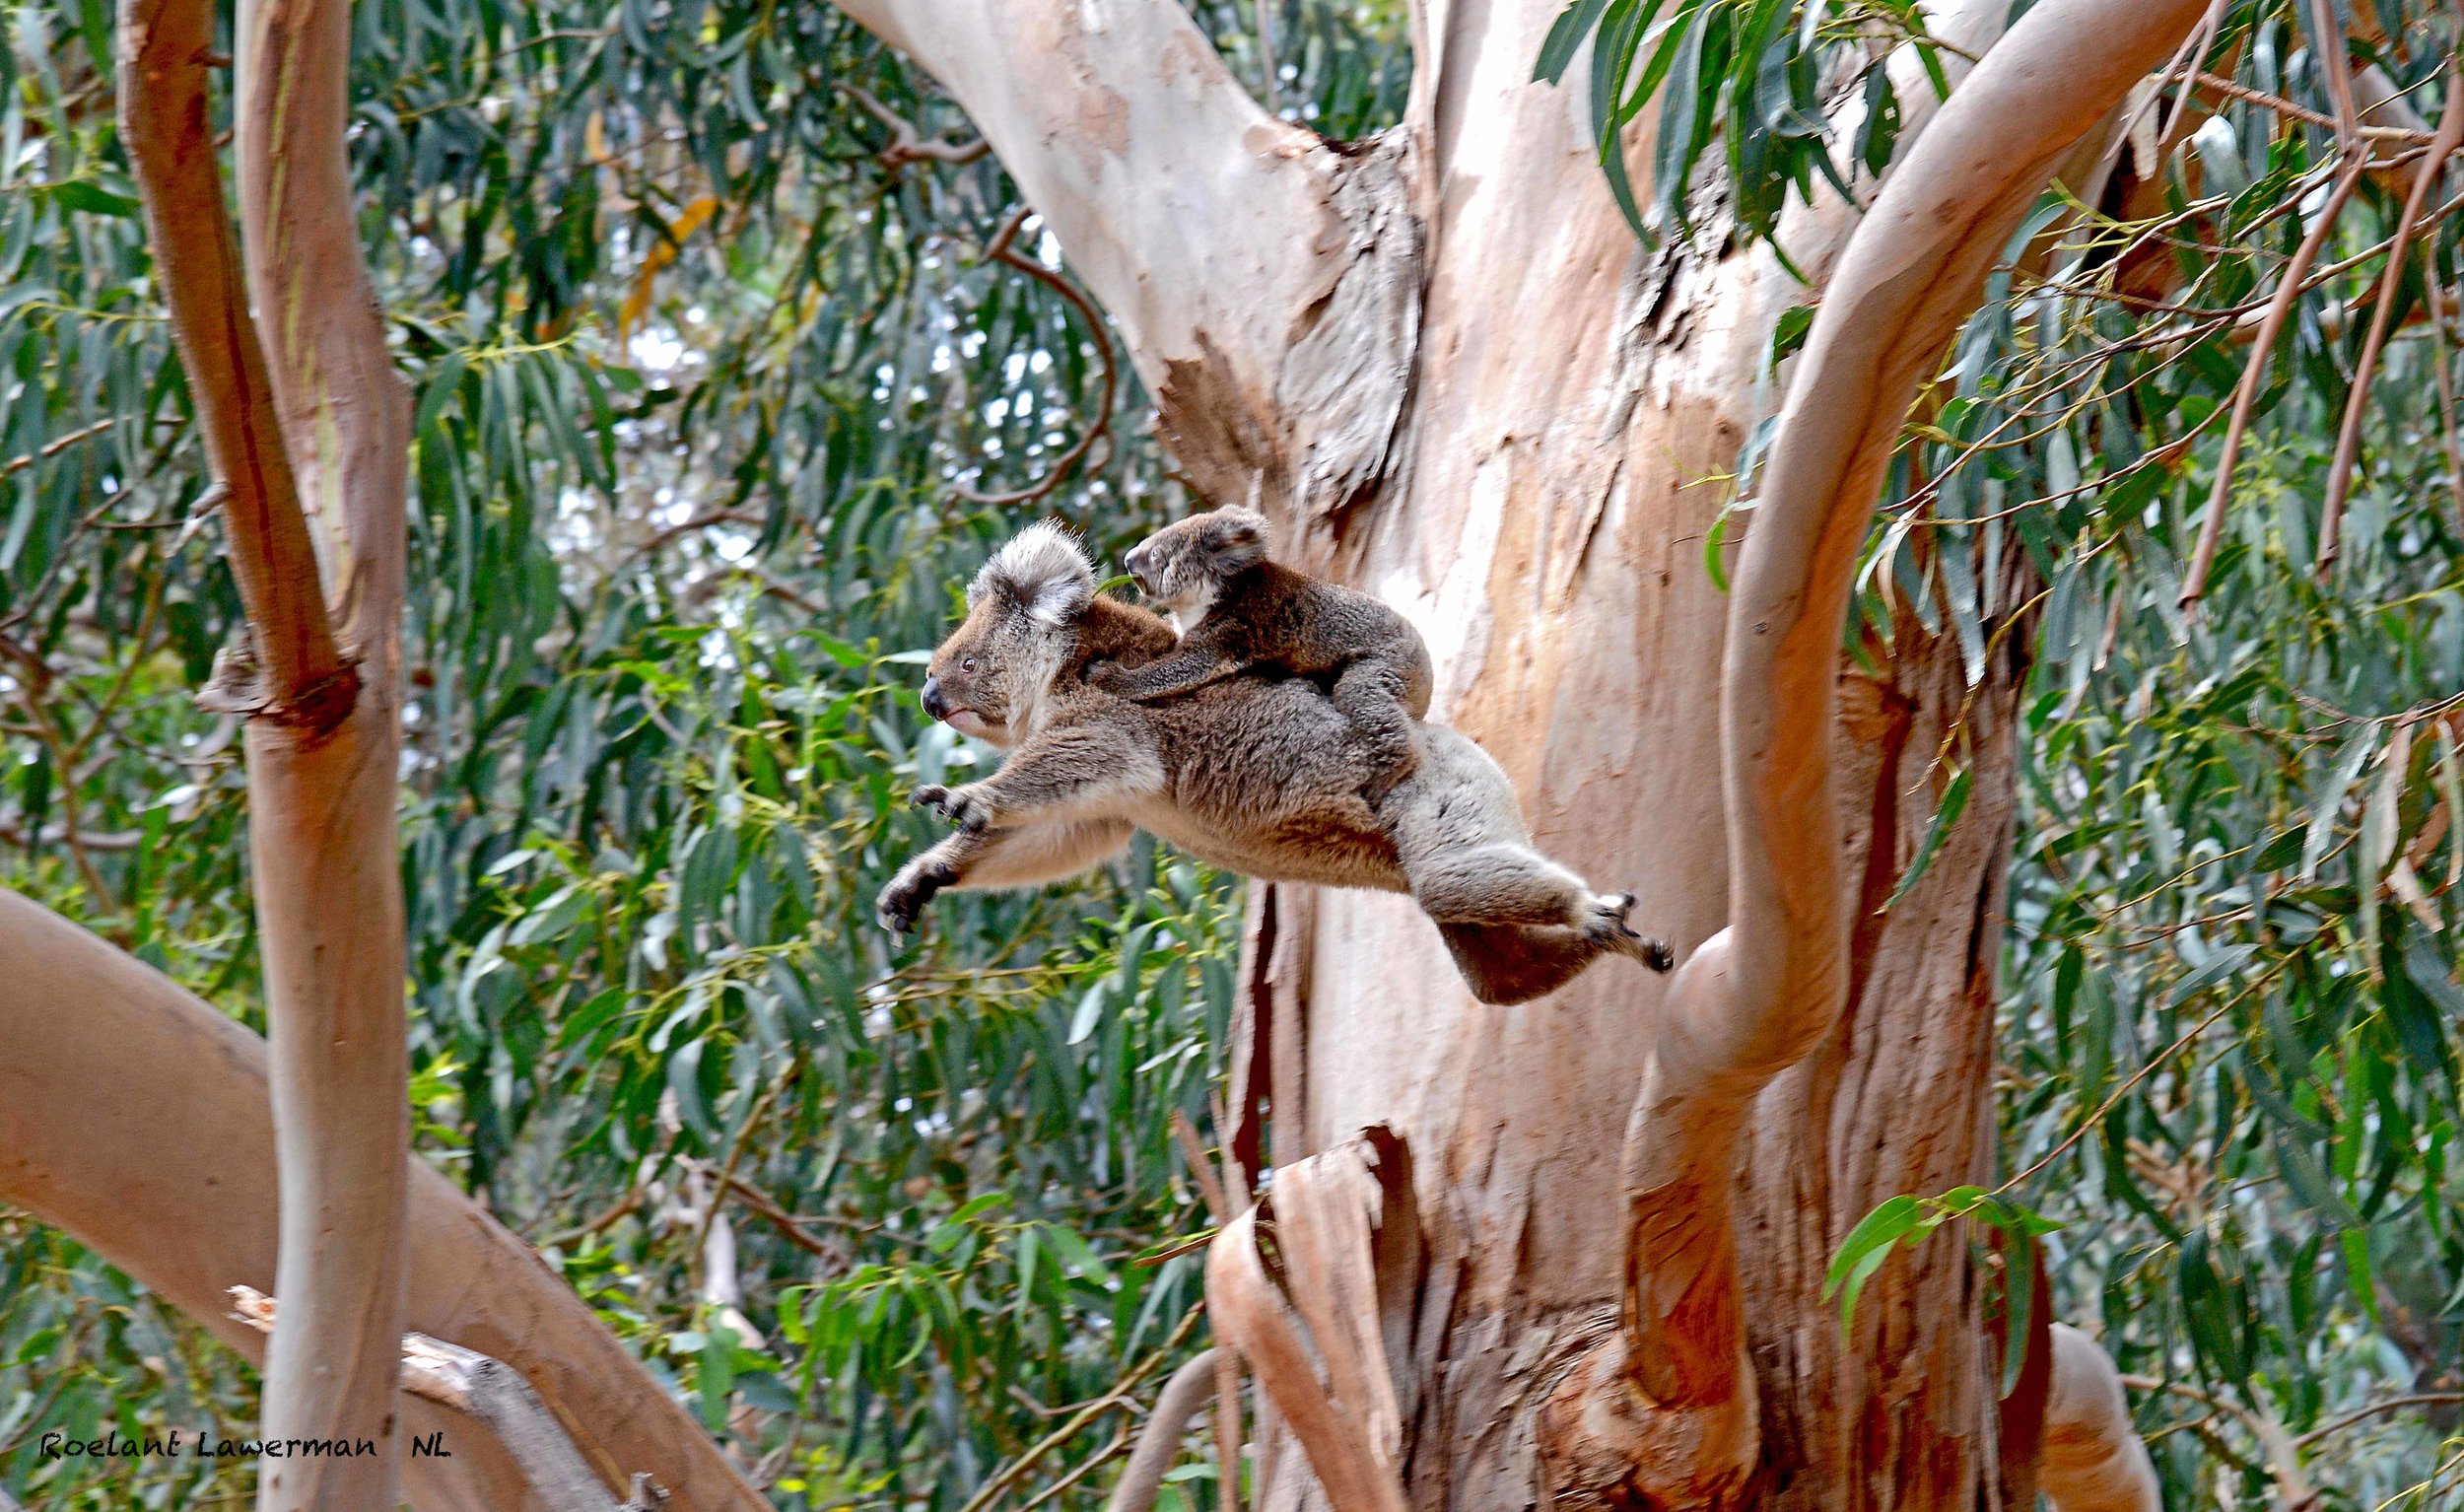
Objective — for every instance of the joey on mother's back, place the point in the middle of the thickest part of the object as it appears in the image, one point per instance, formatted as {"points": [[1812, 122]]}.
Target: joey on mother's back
{"points": [[1237, 608], [1254, 772]]}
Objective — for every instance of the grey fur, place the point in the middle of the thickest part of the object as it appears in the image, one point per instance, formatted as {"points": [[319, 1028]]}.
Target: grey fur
{"points": [[1237, 609], [1251, 772]]}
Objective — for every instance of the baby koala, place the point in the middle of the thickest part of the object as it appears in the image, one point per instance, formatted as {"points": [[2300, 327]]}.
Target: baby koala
{"points": [[1236, 610]]}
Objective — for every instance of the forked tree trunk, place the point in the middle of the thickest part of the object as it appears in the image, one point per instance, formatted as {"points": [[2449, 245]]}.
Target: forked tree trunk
{"points": [[1566, 464], [1472, 392]]}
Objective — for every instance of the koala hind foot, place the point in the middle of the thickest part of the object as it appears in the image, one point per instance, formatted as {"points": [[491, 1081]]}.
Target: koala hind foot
{"points": [[1608, 924]]}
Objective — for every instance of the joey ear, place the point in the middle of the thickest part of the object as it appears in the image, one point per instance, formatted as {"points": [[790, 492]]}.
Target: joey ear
{"points": [[1240, 540]]}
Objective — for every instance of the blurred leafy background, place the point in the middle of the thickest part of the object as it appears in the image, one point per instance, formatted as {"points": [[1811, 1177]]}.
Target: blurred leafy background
{"points": [[719, 397]]}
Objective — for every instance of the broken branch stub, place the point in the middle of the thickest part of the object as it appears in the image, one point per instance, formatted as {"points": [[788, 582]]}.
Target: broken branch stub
{"points": [[1343, 1223], [494, 1394]]}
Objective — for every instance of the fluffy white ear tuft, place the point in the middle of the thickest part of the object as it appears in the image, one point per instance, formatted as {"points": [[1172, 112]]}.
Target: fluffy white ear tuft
{"points": [[1043, 569]]}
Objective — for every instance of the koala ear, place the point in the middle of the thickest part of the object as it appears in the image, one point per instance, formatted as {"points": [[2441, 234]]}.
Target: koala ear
{"points": [[1240, 540], [1043, 571], [1059, 600]]}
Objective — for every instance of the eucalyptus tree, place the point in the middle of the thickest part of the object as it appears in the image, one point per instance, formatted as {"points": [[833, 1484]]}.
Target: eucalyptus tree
{"points": [[731, 345]]}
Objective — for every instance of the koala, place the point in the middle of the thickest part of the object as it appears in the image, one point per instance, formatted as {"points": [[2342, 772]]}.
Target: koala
{"points": [[1236, 610], [1250, 772]]}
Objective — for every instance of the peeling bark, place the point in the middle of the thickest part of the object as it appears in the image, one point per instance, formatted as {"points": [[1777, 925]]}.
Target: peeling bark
{"points": [[1266, 280]]}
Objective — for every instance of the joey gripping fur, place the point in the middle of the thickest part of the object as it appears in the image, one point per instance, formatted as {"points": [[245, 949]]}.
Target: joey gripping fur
{"points": [[1253, 770], [1209, 574]]}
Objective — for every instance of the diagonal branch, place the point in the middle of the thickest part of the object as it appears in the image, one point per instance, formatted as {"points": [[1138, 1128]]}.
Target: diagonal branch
{"points": [[170, 1178], [345, 413], [1764, 990], [1160, 1440], [170, 134], [1003, 249]]}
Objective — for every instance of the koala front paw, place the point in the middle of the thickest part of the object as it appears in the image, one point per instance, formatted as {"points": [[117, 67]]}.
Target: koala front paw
{"points": [[904, 899], [965, 807]]}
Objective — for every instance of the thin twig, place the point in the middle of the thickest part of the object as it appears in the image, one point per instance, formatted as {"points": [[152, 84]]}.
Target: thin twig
{"points": [[2349, 436], [53, 448], [2364, 1413], [2122, 1091], [2294, 1493], [614, 1213], [2216, 84], [1000, 250], [1117, 1398], [726, 1171], [2443, 367], [906, 143], [669, 533], [2254, 376]]}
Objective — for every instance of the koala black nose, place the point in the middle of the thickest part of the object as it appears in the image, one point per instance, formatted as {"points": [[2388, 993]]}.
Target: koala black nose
{"points": [[934, 703]]}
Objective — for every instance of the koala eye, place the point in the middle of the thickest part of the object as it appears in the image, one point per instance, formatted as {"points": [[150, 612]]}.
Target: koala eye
{"points": [[966, 663]]}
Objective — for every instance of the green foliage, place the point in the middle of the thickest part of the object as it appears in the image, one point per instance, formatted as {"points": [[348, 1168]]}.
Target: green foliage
{"points": [[1759, 77]]}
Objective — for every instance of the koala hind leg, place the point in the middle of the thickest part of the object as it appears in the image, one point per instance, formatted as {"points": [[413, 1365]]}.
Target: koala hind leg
{"points": [[1505, 963], [1506, 884], [1373, 698]]}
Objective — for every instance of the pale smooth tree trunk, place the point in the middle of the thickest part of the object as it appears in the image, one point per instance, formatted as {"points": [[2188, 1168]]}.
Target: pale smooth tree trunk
{"points": [[307, 428], [1571, 1253]]}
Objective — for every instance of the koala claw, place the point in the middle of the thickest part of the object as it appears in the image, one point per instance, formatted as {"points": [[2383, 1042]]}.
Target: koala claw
{"points": [[962, 806], [904, 899], [1624, 939]]}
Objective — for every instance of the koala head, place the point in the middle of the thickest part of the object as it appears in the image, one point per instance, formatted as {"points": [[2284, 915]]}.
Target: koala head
{"points": [[1183, 566], [990, 678]]}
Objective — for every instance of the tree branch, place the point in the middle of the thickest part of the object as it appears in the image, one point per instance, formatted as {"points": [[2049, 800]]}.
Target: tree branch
{"points": [[1266, 284], [1003, 249], [1766, 989], [345, 413], [2294, 1492], [1159, 1442], [492, 1393], [321, 831], [171, 1179], [169, 131]]}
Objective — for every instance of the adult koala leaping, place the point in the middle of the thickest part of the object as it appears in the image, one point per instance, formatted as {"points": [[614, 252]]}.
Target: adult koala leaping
{"points": [[1249, 772]]}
